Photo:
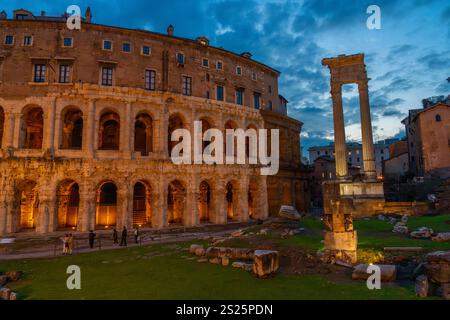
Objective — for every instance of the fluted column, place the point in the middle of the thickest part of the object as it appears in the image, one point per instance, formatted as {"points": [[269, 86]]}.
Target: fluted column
{"points": [[366, 131], [339, 133], [89, 140]]}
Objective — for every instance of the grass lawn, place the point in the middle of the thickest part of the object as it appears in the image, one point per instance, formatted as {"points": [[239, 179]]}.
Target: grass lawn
{"points": [[165, 272]]}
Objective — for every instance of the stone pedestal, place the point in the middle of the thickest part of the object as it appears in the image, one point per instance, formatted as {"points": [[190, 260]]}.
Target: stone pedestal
{"points": [[340, 239], [367, 197]]}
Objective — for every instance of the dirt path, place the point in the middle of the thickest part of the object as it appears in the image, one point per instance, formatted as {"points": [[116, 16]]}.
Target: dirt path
{"points": [[51, 246]]}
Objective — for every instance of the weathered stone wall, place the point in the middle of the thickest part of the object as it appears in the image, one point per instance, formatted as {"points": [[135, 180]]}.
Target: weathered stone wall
{"points": [[90, 167]]}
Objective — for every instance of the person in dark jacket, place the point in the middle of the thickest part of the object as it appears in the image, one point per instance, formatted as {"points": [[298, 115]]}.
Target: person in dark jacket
{"points": [[123, 240], [115, 236], [91, 239]]}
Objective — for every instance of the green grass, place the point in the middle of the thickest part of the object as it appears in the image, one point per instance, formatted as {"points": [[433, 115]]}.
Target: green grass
{"points": [[128, 274], [164, 272]]}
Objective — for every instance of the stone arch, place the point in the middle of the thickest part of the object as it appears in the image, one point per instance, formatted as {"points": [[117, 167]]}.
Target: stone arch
{"points": [[176, 121], [2, 124], [72, 128], [26, 205], [176, 202], [31, 127], [205, 202], [231, 197], [106, 205], [142, 204], [143, 133], [109, 131], [68, 201]]}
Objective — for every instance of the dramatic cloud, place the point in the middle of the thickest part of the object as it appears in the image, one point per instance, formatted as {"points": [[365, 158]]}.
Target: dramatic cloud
{"points": [[407, 60]]}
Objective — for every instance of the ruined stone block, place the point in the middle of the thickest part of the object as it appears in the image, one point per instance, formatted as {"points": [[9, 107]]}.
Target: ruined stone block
{"points": [[265, 263]]}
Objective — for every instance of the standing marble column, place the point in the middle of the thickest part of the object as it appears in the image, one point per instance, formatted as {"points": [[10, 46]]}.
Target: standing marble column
{"points": [[340, 146], [366, 130], [89, 140]]}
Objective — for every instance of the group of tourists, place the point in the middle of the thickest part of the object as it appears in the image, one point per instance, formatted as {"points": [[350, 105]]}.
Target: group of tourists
{"points": [[68, 239], [67, 244], [124, 235]]}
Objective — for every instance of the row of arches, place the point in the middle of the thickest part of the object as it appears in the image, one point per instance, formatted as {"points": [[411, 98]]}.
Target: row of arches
{"points": [[107, 204], [31, 131]]}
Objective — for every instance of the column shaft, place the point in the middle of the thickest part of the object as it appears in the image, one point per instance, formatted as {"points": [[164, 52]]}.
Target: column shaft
{"points": [[366, 132], [88, 142], [339, 133]]}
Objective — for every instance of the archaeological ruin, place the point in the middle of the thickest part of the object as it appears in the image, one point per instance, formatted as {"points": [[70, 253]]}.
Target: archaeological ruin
{"points": [[86, 119]]}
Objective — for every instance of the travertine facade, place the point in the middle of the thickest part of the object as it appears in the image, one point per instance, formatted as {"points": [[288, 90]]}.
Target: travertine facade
{"points": [[93, 151]]}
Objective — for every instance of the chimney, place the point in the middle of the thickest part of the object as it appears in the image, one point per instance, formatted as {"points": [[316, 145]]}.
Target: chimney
{"points": [[88, 15], [42, 13], [170, 30]]}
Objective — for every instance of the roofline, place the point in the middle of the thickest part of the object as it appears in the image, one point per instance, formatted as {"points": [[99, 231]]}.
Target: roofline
{"points": [[439, 104], [277, 72]]}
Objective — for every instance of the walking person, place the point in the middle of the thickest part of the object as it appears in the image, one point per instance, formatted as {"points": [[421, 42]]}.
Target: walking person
{"points": [[91, 239], [123, 240], [136, 235], [65, 241], [115, 236], [70, 243]]}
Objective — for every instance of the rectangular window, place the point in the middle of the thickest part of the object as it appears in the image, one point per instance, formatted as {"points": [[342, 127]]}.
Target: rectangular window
{"points": [[219, 65], [64, 73], [146, 50], [254, 78], [180, 58], [68, 42], [150, 80], [238, 71], [270, 89], [39, 72], [107, 45], [270, 106], [107, 76], [27, 40], [256, 100], [240, 96], [205, 63], [9, 40], [186, 87], [219, 93], [126, 47]]}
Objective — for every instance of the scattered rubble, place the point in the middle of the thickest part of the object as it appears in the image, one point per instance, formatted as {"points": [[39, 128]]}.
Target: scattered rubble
{"points": [[441, 237], [422, 233], [289, 213], [436, 279], [265, 263], [388, 272], [401, 228]]}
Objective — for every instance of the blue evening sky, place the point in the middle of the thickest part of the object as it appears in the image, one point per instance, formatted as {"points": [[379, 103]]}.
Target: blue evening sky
{"points": [[407, 60]]}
